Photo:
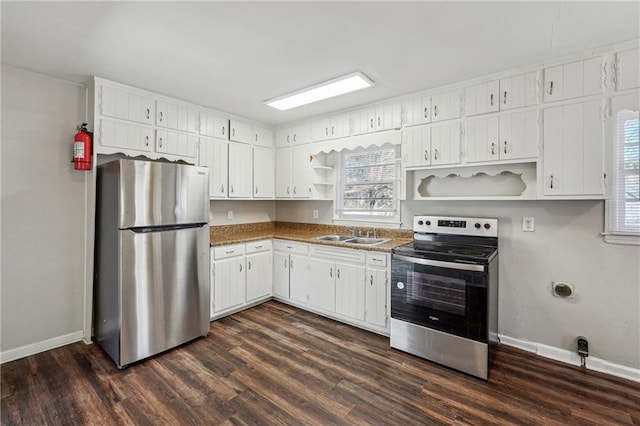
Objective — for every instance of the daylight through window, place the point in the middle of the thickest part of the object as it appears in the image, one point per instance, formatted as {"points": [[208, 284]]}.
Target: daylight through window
{"points": [[626, 183]]}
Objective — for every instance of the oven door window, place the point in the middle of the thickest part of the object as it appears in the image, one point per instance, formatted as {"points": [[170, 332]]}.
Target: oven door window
{"points": [[438, 292]]}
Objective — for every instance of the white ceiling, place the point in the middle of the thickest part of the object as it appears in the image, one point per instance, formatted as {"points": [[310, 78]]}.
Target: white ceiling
{"points": [[234, 55]]}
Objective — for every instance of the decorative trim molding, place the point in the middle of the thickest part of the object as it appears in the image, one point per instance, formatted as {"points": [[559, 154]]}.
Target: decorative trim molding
{"points": [[45, 345], [572, 358]]}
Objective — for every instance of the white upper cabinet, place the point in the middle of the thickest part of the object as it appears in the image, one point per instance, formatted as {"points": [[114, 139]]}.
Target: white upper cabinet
{"points": [[214, 154], [573, 80], [518, 91], [177, 117], [240, 132], [375, 119], [482, 98], [263, 172], [301, 172], [574, 150], [124, 105], [124, 136], [262, 137], [416, 146], [626, 69], [214, 126], [446, 105], [445, 144], [417, 110], [283, 172], [482, 139], [179, 144], [334, 127], [295, 135], [508, 137], [240, 170]]}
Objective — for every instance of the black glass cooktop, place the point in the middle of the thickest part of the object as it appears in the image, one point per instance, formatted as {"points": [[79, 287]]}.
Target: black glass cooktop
{"points": [[446, 251]]}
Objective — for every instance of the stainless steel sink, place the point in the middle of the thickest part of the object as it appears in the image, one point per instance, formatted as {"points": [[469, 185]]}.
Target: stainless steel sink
{"points": [[334, 237], [366, 241], [352, 240]]}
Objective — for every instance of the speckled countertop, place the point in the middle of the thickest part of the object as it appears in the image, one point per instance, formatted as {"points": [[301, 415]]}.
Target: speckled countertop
{"points": [[302, 232]]}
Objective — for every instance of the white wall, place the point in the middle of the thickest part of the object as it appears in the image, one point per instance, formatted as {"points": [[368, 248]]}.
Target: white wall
{"points": [[302, 211], [566, 246], [243, 212], [43, 202]]}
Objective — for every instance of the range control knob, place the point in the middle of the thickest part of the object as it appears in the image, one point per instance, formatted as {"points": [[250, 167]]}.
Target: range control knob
{"points": [[487, 226], [420, 222], [477, 225], [428, 223]]}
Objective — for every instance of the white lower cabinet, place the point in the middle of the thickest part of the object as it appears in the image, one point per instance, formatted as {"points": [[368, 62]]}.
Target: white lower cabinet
{"points": [[350, 291], [290, 264], [240, 275], [377, 290]]}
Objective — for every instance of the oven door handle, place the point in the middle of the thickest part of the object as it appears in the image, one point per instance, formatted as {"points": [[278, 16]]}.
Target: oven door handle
{"points": [[438, 263]]}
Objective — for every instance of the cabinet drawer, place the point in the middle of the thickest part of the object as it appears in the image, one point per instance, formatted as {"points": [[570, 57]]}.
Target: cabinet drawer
{"points": [[290, 247], [337, 254], [377, 259], [256, 246], [228, 251]]}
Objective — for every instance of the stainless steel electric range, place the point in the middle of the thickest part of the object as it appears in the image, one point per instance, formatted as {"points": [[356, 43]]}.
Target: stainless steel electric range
{"points": [[444, 292]]}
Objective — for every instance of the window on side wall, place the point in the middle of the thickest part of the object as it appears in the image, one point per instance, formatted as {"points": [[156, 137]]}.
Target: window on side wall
{"points": [[624, 204], [367, 188]]}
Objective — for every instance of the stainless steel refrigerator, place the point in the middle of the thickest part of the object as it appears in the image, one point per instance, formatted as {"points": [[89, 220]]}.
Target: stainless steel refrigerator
{"points": [[151, 286]]}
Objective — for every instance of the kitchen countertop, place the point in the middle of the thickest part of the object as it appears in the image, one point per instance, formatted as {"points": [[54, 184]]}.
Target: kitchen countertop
{"points": [[304, 233]]}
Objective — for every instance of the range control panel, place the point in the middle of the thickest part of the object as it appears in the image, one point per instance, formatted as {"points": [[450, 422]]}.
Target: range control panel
{"points": [[473, 226]]}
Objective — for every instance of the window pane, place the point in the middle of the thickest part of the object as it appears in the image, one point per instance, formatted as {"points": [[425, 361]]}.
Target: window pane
{"points": [[369, 174], [369, 191], [369, 158]]}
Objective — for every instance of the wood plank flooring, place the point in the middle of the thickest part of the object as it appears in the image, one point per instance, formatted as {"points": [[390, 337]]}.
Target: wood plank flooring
{"points": [[275, 364]]}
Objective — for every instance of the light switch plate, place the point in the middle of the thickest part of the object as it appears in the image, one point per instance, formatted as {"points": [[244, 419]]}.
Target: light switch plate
{"points": [[230, 214], [528, 224], [315, 214]]}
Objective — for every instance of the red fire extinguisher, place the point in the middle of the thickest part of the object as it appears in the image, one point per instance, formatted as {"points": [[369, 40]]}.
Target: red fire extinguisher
{"points": [[82, 149]]}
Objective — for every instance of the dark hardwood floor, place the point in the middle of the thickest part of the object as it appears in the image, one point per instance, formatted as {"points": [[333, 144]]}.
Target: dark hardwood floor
{"points": [[275, 364]]}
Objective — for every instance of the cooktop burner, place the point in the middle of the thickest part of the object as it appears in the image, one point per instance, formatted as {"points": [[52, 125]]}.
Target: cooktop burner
{"points": [[447, 251]]}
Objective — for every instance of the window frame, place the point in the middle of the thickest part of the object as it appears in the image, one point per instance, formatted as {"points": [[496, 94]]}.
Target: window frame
{"points": [[340, 216]]}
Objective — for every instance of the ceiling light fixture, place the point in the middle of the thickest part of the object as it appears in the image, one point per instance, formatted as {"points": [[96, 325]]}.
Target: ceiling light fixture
{"points": [[328, 89]]}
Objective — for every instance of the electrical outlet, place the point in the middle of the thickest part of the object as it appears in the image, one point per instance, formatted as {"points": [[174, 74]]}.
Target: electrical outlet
{"points": [[230, 214], [528, 224], [315, 214]]}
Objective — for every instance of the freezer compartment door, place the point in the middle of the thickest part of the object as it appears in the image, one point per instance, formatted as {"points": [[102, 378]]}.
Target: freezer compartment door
{"points": [[164, 290], [155, 194]]}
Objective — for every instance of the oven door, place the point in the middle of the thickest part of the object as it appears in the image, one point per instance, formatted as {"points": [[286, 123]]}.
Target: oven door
{"points": [[446, 296]]}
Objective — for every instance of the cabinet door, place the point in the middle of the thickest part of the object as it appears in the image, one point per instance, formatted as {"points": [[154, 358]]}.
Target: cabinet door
{"points": [[301, 134], [283, 173], [420, 111], [259, 275], [482, 139], [322, 287], [553, 84], [301, 176], [340, 126], [517, 91], [263, 137], [228, 284], [217, 159], [240, 132], [283, 137], [350, 291], [552, 158], [627, 69], [298, 277], [320, 129], [220, 127], [376, 297], [445, 106], [128, 137], [417, 146], [241, 172], [519, 136], [281, 275], [445, 144], [263, 173], [360, 122]]}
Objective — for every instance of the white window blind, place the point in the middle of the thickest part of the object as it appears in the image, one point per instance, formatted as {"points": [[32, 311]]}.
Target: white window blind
{"points": [[625, 202], [368, 183]]}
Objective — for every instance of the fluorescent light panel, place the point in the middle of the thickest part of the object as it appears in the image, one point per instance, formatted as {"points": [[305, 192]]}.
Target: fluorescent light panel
{"points": [[328, 89]]}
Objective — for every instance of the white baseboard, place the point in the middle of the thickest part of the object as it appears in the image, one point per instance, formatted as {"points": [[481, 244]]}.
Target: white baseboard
{"points": [[572, 358], [45, 345]]}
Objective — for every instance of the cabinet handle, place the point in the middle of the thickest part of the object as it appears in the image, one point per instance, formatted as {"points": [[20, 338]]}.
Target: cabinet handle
{"points": [[294, 190], [426, 155], [258, 247], [233, 131], [240, 264], [232, 188], [160, 140], [248, 266], [371, 123], [426, 112], [331, 272], [229, 252], [379, 121], [326, 131], [291, 263], [338, 273], [161, 116], [371, 280], [146, 140], [551, 182], [551, 88], [222, 189], [285, 263], [505, 147], [435, 154], [435, 110], [491, 99], [256, 189], [333, 130], [288, 139], [148, 113], [504, 97], [223, 130], [295, 135]]}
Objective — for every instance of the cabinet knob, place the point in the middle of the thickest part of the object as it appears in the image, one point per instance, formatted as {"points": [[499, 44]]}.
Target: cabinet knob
{"points": [[231, 188], [240, 264], [294, 190], [326, 131], [160, 142], [148, 113], [256, 137], [256, 189], [223, 130], [551, 182], [435, 110], [491, 99], [288, 139], [505, 147], [146, 140], [161, 116], [288, 190], [249, 266], [426, 155], [551, 87], [338, 273], [222, 189], [426, 112], [371, 280], [233, 131], [504, 97], [371, 123], [435, 154], [333, 130], [493, 148], [379, 121], [331, 272], [294, 136]]}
